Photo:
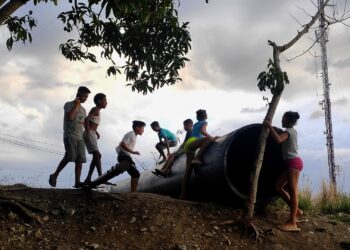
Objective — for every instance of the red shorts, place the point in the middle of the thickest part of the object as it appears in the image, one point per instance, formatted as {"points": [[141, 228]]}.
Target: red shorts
{"points": [[295, 163]]}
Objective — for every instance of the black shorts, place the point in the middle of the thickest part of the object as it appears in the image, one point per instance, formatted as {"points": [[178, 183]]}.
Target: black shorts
{"points": [[131, 167]]}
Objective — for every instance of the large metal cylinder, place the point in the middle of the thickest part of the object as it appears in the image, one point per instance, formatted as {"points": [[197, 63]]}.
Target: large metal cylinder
{"points": [[224, 175]]}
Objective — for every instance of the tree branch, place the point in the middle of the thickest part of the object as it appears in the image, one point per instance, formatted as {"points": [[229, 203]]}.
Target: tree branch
{"points": [[9, 8], [2, 2], [23, 210], [304, 30], [311, 46]]}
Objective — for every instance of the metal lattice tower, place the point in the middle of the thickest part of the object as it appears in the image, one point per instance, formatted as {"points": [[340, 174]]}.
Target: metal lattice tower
{"points": [[326, 102]]}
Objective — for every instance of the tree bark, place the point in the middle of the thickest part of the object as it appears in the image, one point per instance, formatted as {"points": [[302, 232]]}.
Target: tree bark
{"points": [[10, 8], [2, 2], [254, 178]]}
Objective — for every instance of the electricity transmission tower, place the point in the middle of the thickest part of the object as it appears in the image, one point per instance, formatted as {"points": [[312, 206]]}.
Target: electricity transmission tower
{"points": [[322, 38]]}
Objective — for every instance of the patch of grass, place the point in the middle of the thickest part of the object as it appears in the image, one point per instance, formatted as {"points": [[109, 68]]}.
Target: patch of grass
{"points": [[278, 204], [305, 196], [343, 217], [335, 204], [330, 201]]}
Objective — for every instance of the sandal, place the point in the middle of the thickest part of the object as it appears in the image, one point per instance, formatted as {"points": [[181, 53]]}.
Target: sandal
{"points": [[52, 181], [289, 228]]}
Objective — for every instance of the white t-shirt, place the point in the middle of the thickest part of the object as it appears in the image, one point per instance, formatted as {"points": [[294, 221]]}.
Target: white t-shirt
{"points": [[290, 146], [130, 140]]}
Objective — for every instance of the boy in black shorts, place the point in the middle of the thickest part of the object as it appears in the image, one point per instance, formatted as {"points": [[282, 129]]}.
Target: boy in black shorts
{"points": [[125, 149]]}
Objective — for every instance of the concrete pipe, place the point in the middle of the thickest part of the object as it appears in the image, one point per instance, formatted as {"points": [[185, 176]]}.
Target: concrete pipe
{"points": [[224, 176]]}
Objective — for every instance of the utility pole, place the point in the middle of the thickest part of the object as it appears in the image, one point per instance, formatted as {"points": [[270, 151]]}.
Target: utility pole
{"points": [[326, 102]]}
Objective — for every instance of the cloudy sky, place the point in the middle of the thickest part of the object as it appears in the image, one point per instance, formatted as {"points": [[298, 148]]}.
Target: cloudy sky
{"points": [[229, 50]]}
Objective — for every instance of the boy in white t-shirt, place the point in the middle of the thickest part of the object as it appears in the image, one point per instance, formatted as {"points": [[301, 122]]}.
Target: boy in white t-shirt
{"points": [[125, 149]]}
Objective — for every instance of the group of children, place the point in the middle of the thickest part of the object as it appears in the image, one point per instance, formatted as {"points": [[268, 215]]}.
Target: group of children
{"points": [[80, 131]]}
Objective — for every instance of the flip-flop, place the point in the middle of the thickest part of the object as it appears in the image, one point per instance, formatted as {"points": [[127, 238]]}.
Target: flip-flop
{"points": [[301, 220], [289, 228], [52, 180]]}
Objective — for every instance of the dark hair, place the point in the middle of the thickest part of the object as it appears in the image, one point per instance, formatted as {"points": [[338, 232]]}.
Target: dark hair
{"points": [[292, 116], [188, 121], [201, 114], [155, 124], [99, 97], [137, 124], [83, 90]]}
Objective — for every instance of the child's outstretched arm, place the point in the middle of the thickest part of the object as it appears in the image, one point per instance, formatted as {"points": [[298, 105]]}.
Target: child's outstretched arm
{"points": [[278, 138]]}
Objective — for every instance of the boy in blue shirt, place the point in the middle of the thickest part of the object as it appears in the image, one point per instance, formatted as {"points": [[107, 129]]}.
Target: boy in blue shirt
{"points": [[166, 140], [165, 170]]}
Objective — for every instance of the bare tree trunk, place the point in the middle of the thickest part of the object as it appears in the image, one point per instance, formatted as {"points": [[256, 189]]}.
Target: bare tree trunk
{"points": [[255, 172], [254, 178], [9, 8]]}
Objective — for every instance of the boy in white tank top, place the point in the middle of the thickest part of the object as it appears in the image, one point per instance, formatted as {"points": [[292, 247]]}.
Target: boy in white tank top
{"points": [[91, 135]]}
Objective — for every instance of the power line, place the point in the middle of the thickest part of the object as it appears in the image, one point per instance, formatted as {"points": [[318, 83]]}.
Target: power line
{"points": [[31, 140], [39, 148]]}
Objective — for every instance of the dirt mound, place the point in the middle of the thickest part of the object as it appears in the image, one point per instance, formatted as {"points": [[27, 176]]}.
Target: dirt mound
{"points": [[78, 219]]}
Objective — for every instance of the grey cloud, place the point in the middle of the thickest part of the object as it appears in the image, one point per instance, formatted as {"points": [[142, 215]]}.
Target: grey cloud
{"points": [[341, 102], [343, 63], [317, 114], [230, 52], [4, 124], [31, 117], [253, 110]]}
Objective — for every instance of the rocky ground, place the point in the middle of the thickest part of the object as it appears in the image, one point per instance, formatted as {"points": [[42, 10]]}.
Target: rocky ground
{"points": [[78, 219]]}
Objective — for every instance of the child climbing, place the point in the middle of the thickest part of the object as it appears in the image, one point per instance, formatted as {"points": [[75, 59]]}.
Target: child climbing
{"points": [[166, 140], [293, 164], [165, 170], [201, 139]]}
